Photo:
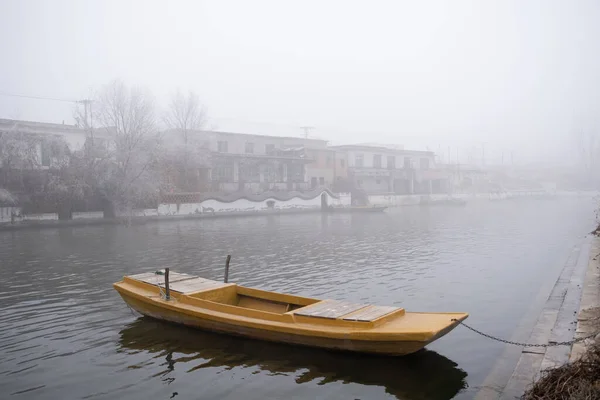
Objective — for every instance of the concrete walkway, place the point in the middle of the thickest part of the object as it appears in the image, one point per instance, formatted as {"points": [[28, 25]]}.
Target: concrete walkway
{"points": [[588, 322], [555, 323]]}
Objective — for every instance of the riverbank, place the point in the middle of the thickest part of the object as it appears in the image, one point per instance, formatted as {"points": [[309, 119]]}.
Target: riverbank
{"points": [[569, 313], [578, 379], [199, 211], [141, 219]]}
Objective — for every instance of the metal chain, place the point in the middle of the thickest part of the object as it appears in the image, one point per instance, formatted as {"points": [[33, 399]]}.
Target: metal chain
{"points": [[567, 343]]}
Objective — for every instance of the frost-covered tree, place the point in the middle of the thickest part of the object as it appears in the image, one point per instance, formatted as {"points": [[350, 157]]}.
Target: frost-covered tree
{"points": [[185, 153], [185, 115], [22, 152], [128, 117]]}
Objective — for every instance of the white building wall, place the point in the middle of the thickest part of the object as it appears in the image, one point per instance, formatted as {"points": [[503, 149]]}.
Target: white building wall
{"points": [[245, 205]]}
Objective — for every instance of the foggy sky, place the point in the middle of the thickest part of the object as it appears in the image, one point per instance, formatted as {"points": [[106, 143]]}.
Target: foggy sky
{"points": [[512, 76]]}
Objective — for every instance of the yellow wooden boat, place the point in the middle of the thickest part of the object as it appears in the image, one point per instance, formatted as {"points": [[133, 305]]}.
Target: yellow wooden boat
{"points": [[237, 310]]}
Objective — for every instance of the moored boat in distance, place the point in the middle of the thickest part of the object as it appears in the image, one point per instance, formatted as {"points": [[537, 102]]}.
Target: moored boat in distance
{"points": [[258, 314]]}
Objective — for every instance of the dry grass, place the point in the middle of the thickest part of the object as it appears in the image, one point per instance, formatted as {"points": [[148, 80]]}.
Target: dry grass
{"points": [[579, 380]]}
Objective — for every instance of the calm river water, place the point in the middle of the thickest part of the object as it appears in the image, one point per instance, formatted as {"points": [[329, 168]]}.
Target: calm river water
{"points": [[66, 334]]}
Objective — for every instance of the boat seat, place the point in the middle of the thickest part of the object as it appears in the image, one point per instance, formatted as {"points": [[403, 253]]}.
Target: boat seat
{"points": [[182, 283], [334, 309], [370, 313], [330, 309], [196, 285], [153, 278]]}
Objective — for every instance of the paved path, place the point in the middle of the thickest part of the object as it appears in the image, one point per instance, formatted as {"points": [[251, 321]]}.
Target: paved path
{"points": [[555, 323], [587, 322]]}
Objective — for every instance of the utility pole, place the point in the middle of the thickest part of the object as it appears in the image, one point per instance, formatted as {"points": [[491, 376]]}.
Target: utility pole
{"points": [[483, 154], [86, 103], [306, 130]]}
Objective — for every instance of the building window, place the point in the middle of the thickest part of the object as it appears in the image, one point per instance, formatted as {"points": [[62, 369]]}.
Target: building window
{"points": [[328, 161], [269, 149], [249, 148], [342, 163], [359, 160], [424, 163], [313, 182], [407, 162], [391, 162], [250, 173], [274, 173], [378, 181], [96, 144], [222, 146], [322, 181], [223, 172], [377, 161]]}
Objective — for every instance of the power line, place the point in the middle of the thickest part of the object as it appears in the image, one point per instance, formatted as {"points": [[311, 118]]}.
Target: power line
{"points": [[37, 97]]}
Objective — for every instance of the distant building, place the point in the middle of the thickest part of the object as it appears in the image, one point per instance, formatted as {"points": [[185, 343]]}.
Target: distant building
{"points": [[321, 169], [378, 169], [464, 178], [258, 163], [34, 133]]}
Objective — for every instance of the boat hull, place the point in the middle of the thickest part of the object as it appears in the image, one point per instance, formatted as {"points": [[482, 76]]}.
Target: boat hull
{"points": [[391, 348], [278, 317]]}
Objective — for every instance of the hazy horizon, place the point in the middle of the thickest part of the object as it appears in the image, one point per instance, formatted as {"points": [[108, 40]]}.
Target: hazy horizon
{"points": [[514, 77]]}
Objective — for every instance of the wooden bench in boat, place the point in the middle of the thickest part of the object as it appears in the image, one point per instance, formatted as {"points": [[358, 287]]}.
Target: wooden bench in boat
{"points": [[182, 283], [335, 309], [370, 313]]}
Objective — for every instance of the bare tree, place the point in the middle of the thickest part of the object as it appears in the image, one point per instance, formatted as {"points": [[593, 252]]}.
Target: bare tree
{"points": [[129, 117], [185, 156], [67, 184], [19, 150], [185, 115]]}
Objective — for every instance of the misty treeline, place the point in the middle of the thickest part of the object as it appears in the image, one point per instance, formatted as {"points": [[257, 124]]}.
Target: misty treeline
{"points": [[132, 151], [588, 146]]}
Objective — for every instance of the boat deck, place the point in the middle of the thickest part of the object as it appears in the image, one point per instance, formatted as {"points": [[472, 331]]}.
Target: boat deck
{"points": [[182, 283], [335, 309]]}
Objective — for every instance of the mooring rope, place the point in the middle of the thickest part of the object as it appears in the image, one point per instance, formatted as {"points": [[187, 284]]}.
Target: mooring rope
{"points": [[163, 295], [551, 344]]}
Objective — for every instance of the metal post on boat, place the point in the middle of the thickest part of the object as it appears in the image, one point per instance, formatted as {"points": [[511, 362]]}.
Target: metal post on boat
{"points": [[167, 289], [226, 279]]}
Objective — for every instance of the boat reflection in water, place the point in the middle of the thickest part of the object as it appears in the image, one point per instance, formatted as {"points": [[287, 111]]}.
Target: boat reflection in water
{"points": [[422, 375]]}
